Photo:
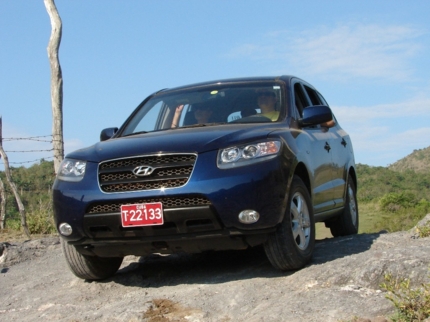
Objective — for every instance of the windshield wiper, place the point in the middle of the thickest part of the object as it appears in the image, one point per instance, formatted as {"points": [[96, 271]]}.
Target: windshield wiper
{"points": [[200, 125]]}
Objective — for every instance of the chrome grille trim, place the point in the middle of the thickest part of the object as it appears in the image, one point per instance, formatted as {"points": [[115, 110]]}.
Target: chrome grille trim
{"points": [[168, 202], [167, 171]]}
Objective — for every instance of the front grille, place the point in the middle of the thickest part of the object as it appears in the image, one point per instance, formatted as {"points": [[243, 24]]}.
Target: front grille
{"points": [[168, 202], [156, 172]]}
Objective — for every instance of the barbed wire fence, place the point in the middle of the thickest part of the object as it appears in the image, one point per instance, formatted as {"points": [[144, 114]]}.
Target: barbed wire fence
{"points": [[4, 160], [42, 138]]}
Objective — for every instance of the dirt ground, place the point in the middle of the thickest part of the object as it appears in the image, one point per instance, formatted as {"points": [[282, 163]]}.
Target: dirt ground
{"points": [[341, 283]]}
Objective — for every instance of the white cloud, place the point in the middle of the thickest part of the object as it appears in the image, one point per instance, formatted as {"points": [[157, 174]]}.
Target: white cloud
{"points": [[365, 51], [383, 134], [384, 147], [416, 107], [358, 51]]}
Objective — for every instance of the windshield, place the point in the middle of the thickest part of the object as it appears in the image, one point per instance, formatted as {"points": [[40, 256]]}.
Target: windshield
{"points": [[217, 104]]}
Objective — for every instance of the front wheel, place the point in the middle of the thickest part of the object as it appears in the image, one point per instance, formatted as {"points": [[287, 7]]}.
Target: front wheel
{"points": [[347, 222], [291, 246], [89, 267]]}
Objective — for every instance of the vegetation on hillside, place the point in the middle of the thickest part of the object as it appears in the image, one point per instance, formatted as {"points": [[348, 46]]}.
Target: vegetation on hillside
{"points": [[392, 199], [407, 198], [418, 161], [35, 186]]}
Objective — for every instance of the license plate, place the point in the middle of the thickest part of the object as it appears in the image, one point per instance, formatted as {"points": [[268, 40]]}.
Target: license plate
{"points": [[144, 214]]}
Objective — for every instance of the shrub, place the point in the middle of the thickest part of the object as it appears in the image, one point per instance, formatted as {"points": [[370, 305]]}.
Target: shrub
{"points": [[424, 231], [423, 206], [395, 201], [40, 219], [411, 304], [401, 220]]}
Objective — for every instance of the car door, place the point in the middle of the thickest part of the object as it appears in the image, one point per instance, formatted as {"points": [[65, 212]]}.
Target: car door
{"points": [[337, 142], [341, 153], [318, 155]]}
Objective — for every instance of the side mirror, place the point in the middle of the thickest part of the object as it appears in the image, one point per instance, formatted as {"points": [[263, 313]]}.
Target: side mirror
{"points": [[108, 133], [314, 115]]}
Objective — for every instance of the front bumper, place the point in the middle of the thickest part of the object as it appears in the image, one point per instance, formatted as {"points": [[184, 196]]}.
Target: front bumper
{"points": [[199, 216]]}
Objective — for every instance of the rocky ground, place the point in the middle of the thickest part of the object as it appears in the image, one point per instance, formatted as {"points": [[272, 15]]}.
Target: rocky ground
{"points": [[341, 284]]}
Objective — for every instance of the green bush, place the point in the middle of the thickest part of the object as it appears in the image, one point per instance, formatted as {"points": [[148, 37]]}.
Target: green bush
{"points": [[424, 231], [13, 223], [40, 219], [394, 201], [423, 206], [400, 220], [400, 211]]}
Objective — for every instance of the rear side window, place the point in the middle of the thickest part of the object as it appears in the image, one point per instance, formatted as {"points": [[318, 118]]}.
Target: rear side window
{"points": [[313, 96], [300, 99]]}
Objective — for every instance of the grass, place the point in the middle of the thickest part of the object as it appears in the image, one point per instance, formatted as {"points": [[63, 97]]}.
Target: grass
{"points": [[412, 304], [369, 214], [424, 231]]}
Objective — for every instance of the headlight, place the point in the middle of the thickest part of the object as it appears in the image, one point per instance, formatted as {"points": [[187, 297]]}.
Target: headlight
{"points": [[71, 170], [237, 156]]}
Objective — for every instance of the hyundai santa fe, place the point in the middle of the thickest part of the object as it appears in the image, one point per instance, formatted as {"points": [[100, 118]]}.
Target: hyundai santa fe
{"points": [[220, 165]]}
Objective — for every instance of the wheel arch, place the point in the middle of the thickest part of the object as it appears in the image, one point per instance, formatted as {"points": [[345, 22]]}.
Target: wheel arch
{"points": [[353, 175], [302, 172]]}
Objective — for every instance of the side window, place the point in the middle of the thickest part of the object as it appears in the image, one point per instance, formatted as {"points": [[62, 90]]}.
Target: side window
{"points": [[313, 96], [317, 99], [299, 99]]}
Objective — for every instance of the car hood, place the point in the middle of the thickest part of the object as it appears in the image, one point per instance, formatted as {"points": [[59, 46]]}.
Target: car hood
{"points": [[182, 140]]}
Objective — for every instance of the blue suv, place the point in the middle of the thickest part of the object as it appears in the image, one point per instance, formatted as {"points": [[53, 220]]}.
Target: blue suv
{"points": [[226, 164]]}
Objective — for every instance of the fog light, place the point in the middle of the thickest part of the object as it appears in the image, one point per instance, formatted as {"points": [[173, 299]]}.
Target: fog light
{"points": [[249, 216], [65, 229]]}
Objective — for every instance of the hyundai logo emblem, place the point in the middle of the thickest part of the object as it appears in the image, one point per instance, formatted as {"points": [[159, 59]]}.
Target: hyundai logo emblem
{"points": [[143, 170]]}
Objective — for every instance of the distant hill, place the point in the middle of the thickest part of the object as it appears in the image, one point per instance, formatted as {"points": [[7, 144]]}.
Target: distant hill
{"points": [[410, 174], [419, 161]]}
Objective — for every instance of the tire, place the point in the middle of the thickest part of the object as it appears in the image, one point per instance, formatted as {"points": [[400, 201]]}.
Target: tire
{"points": [[291, 246], [347, 222], [89, 267]]}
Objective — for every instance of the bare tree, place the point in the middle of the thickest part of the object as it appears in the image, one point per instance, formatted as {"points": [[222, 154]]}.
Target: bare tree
{"points": [[56, 83]]}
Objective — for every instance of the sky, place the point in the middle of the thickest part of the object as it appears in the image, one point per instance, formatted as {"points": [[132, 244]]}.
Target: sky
{"points": [[369, 59]]}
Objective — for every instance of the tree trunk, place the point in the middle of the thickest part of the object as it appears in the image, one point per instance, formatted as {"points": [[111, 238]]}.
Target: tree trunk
{"points": [[56, 83], [2, 206], [2, 192], [15, 192]]}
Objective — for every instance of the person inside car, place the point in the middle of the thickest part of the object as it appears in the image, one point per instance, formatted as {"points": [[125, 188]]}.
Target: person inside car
{"points": [[178, 111], [266, 101], [202, 114]]}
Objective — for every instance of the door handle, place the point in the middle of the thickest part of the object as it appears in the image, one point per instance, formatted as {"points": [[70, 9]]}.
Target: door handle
{"points": [[327, 147], [343, 142]]}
